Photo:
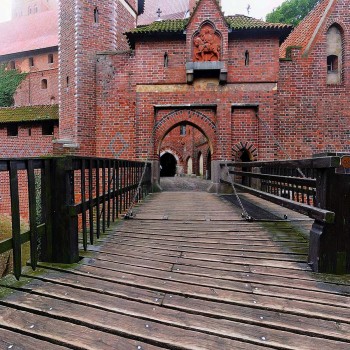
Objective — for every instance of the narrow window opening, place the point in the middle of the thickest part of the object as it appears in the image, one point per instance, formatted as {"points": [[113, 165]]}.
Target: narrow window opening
{"points": [[96, 15], [31, 62], [182, 130], [332, 63], [47, 129], [12, 65], [246, 58], [29, 10], [29, 132], [67, 81], [50, 58], [35, 9], [44, 84], [12, 130], [166, 60]]}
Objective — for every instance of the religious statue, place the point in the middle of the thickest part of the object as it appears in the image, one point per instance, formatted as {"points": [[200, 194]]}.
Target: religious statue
{"points": [[207, 45]]}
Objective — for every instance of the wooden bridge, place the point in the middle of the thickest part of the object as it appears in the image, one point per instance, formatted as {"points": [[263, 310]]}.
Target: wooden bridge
{"points": [[186, 273]]}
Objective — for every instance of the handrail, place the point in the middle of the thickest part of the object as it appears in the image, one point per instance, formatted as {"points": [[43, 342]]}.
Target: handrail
{"points": [[317, 187], [74, 193]]}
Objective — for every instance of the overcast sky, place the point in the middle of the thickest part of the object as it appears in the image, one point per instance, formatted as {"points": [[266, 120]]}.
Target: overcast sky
{"points": [[258, 8]]}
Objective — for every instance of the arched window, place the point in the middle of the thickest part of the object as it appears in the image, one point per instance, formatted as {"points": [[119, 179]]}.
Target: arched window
{"points": [[29, 10], [334, 54], [44, 84], [35, 9]]}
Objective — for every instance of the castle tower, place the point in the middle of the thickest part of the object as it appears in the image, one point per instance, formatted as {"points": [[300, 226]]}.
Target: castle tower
{"points": [[86, 27], [31, 7]]}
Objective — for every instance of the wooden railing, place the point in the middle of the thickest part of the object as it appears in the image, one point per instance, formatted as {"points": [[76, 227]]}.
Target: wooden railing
{"points": [[73, 194], [312, 187]]}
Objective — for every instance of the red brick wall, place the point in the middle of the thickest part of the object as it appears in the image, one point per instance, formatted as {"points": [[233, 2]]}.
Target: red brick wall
{"points": [[313, 116]]}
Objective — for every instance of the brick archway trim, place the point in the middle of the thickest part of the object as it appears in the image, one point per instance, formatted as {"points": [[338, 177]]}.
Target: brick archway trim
{"points": [[176, 117], [237, 148]]}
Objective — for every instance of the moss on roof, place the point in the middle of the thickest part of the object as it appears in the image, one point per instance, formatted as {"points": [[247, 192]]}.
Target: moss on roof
{"points": [[237, 22], [28, 114]]}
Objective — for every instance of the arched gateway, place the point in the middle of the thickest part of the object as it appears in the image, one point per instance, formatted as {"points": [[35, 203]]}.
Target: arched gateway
{"points": [[191, 132]]}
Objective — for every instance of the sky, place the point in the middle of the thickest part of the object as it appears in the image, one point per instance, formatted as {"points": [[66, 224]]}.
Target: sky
{"points": [[258, 8]]}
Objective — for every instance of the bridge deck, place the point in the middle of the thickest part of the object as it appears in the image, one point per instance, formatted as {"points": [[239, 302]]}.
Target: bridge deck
{"points": [[187, 273]]}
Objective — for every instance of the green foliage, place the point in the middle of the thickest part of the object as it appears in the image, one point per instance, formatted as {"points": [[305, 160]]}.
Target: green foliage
{"points": [[9, 81], [291, 11]]}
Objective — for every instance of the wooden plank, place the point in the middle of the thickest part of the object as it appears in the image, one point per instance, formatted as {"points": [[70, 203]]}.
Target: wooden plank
{"points": [[227, 328], [308, 309], [243, 257], [286, 179], [83, 203], [16, 221], [312, 163], [240, 285], [91, 208], [11, 339], [313, 212], [249, 277], [32, 215], [281, 320], [65, 333], [163, 335]]}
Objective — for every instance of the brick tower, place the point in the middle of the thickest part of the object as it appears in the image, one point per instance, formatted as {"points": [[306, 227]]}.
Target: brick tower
{"points": [[85, 28]]}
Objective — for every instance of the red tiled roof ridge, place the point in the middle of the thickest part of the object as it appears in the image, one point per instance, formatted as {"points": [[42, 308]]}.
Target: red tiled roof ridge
{"points": [[29, 33], [303, 34]]}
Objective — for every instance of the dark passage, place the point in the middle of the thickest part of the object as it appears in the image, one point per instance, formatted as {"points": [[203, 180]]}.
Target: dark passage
{"points": [[167, 165]]}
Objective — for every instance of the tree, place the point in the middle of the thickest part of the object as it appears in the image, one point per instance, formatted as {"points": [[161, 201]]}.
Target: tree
{"points": [[291, 11], [9, 81]]}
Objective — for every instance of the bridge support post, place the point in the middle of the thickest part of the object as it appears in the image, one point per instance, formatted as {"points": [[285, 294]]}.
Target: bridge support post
{"points": [[156, 176], [217, 173], [62, 239], [329, 248]]}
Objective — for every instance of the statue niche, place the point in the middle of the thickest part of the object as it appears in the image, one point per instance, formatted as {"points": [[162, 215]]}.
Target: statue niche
{"points": [[206, 44]]}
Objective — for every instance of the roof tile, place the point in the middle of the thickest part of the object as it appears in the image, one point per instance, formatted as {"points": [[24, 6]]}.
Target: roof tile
{"points": [[28, 113], [28, 33]]}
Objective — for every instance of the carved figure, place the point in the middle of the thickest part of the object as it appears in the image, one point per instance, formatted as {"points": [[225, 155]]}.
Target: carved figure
{"points": [[207, 45]]}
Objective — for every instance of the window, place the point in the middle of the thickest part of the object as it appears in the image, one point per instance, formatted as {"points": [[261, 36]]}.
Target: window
{"points": [[12, 130], [182, 130], [31, 61], [50, 58], [44, 84], [332, 63], [166, 60], [12, 65], [67, 81], [47, 128], [35, 9], [29, 10], [334, 54], [246, 58], [29, 132], [96, 15]]}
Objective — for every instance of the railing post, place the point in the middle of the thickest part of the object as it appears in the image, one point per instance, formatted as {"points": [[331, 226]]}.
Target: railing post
{"points": [[65, 221], [329, 248]]}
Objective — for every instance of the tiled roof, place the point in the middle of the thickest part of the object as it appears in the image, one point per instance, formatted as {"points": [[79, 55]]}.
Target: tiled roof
{"points": [[175, 9], [237, 22], [305, 31], [177, 25], [28, 33], [28, 114]]}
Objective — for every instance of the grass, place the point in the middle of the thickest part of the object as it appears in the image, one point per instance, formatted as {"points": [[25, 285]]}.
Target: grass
{"points": [[6, 264]]}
